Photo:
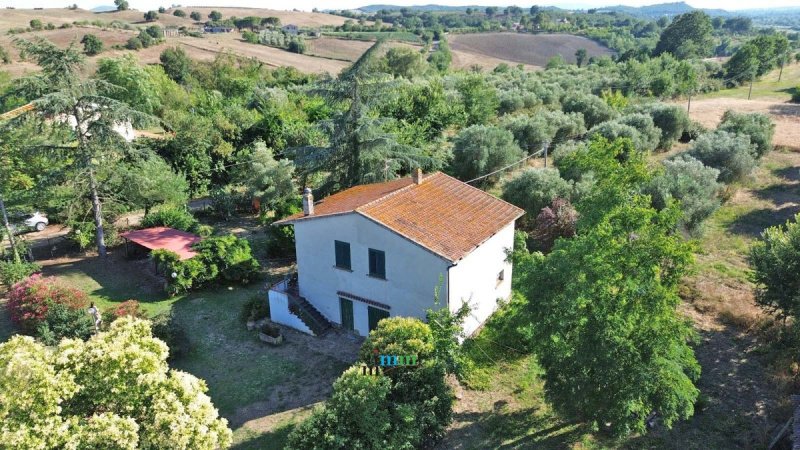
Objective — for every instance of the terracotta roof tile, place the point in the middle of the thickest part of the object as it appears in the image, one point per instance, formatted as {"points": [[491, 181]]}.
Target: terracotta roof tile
{"points": [[442, 214], [348, 200]]}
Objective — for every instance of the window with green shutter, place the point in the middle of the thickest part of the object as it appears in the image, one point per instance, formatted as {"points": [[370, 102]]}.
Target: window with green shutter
{"points": [[342, 254], [377, 263]]}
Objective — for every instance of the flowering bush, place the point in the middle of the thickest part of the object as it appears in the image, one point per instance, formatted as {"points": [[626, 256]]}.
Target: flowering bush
{"points": [[129, 308], [28, 300], [114, 391]]}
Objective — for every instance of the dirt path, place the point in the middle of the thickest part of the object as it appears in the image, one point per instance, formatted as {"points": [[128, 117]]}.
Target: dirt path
{"points": [[786, 115]]}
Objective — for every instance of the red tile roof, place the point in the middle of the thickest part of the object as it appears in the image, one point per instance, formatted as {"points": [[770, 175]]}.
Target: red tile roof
{"points": [[442, 214], [165, 238]]}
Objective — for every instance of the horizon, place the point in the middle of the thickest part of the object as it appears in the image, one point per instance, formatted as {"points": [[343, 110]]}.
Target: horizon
{"points": [[308, 5]]}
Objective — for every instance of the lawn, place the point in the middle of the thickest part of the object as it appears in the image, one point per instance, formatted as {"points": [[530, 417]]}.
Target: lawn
{"points": [[404, 36], [767, 88]]}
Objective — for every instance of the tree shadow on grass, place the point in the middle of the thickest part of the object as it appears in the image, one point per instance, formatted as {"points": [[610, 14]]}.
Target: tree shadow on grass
{"points": [[791, 173], [735, 403], [273, 440], [755, 222], [503, 429]]}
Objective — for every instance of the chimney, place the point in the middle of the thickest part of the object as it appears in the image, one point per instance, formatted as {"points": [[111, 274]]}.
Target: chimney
{"points": [[417, 176], [308, 202]]}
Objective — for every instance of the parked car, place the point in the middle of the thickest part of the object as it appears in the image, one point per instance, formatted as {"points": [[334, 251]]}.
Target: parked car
{"points": [[30, 221]]}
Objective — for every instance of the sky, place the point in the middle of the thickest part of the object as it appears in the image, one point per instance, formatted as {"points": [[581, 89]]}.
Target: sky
{"points": [[307, 5]]}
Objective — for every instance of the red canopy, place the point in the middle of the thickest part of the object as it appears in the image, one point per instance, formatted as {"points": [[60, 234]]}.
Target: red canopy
{"points": [[165, 238]]}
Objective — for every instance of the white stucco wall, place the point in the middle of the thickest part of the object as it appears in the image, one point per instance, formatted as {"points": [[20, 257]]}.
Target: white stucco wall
{"points": [[474, 278], [412, 272], [279, 312]]}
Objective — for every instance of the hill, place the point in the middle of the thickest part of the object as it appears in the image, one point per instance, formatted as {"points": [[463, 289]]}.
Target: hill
{"points": [[532, 49], [663, 9]]}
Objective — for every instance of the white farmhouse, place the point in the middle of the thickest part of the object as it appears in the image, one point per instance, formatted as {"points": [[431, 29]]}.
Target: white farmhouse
{"points": [[383, 249]]}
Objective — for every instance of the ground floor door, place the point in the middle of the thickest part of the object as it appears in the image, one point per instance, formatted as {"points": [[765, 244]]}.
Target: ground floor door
{"points": [[346, 308], [375, 315]]}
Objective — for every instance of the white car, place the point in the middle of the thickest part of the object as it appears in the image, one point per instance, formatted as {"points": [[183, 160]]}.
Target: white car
{"points": [[36, 221]]}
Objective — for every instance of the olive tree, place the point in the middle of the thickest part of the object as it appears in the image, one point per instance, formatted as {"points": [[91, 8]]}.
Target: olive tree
{"points": [[688, 181], [733, 155], [595, 111], [757, 126], [534, 189], [481, 149]]}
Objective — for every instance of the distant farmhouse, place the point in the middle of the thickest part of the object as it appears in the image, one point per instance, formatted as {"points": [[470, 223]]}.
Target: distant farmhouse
{"points": [[383, 249], [217, 29], [290, 29]]}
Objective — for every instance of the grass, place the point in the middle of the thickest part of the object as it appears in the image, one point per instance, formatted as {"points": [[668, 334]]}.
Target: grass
{"points": [[767, 88], [111, 282], [404, 36], [233, 362]]}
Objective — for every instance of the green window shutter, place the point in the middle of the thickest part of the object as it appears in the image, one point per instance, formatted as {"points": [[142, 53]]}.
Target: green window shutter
{"points": [[346, 308], [375, 315], [342, 254], [377, 263]]}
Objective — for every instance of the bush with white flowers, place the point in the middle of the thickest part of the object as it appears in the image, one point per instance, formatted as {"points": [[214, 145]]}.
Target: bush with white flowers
{"points": [[114, 391]]}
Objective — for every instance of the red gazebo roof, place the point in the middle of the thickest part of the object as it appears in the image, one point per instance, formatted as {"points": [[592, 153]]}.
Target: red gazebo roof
{"points": [[177, 241]]}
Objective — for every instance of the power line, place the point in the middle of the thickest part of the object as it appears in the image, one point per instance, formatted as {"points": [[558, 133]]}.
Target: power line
{"points": [[506, 167]]}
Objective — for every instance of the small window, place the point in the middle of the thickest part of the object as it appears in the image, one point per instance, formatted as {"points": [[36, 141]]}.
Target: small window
{"points": [[377, 263], [501, 276], [342, 254]]}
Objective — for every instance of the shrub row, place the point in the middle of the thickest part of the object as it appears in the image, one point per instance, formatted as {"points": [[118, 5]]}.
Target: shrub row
{"points": [[219, 258]]}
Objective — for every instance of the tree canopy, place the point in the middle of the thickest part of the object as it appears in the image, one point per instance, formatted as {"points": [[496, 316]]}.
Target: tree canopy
{"points": [[114, 391]]}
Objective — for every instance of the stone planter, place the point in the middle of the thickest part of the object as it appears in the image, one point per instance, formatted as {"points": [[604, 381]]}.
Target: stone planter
{"points": [[269, 339]]}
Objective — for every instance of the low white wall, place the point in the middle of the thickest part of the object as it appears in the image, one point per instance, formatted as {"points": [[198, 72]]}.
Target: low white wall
{"points": [[279, 312]]}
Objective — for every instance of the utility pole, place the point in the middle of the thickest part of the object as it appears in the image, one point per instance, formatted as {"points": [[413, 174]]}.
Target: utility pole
{"points": [[689, 106], [750, 92], [546, 144]]}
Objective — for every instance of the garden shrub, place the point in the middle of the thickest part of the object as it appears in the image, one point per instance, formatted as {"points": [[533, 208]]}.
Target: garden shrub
{"points": [[255, 308], [12, 272], [30, 299], [230, 257], [558, 220], [219, 258], [693, 184], [757, 126], [129, 308], [62, 321], [775, 260], [534, 189], [796, 95], [167, 328], [733, 155], [357, 415], [406, 407]]}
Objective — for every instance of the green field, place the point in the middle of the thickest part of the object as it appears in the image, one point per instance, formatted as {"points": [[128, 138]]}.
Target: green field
{"points": [[404, 36], [766, 88]]}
